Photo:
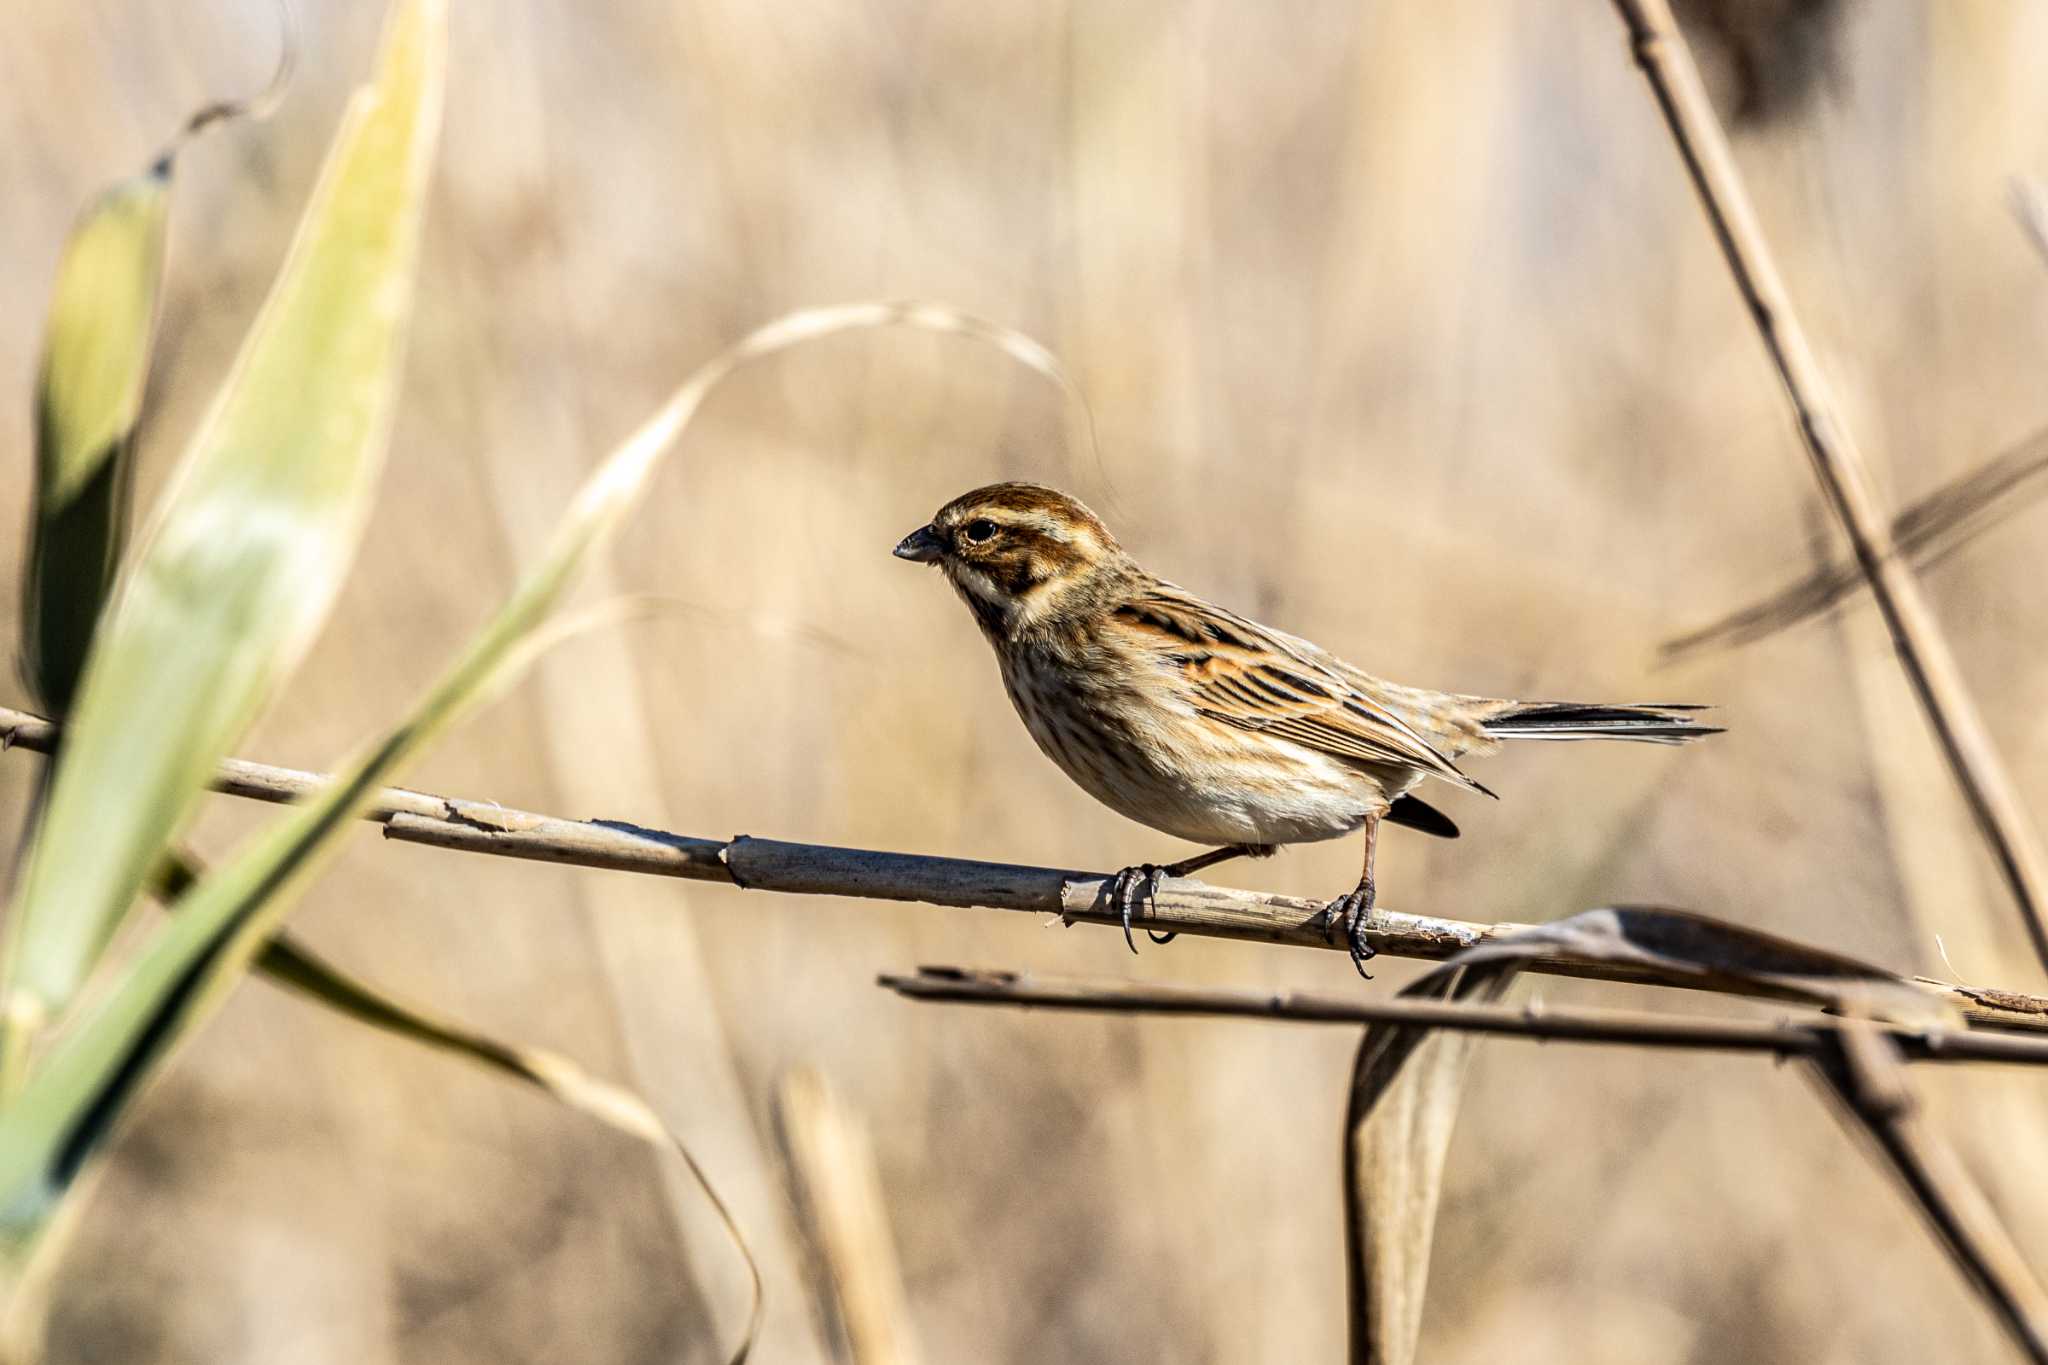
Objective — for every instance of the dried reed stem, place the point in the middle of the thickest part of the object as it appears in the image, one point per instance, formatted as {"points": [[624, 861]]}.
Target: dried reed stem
{"points": [[1184, 906], [1786, 1036], [1862, 1068], [1979, 769]]}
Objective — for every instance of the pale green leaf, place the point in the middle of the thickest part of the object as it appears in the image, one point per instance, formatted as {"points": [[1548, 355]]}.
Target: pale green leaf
{"points": [[96, 347], [95, 367], [253, 538], [102, 314]]}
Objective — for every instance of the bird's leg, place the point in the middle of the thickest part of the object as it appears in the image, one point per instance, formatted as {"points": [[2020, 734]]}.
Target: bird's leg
{"points": [[1351, 909], [1141, 883]]}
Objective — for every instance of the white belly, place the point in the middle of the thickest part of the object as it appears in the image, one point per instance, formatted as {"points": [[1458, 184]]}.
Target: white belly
{"points": [[1310, 798]]}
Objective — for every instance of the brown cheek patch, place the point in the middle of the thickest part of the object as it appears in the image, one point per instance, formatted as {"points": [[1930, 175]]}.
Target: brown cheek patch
{"points": [[1017, 572], [1019, 562]]}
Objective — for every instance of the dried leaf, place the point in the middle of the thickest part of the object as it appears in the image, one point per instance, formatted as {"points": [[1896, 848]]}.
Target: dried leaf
{"points": [[1407, 1080], [1405, 1088], [1682, 942]]}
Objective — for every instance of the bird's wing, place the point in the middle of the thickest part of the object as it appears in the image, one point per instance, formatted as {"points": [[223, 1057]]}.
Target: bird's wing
{"points": [[1244, 674]]}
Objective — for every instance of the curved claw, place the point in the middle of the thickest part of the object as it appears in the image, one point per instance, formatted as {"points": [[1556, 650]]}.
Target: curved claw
{"points": [[1131, 886], [1153, 876], [1120, 892], [1361, 946], [1350, 910]]}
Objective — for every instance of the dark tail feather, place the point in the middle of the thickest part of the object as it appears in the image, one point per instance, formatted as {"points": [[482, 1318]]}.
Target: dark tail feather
{"points": [[1417, 814], [1648, 722]]}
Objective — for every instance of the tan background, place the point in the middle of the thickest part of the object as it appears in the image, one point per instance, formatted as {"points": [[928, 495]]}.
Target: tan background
{"points": [[1403, 332]]}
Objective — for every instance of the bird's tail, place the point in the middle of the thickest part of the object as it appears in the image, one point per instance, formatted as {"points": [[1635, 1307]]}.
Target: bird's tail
{"points": [[1647, 722]]}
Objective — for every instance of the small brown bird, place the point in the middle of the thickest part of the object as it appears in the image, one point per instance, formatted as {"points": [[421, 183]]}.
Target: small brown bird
{"points": [[1206, 725]]}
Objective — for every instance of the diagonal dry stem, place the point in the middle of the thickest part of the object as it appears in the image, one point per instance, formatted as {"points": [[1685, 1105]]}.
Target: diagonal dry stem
{"points": [[1862, 1067], [1923, 651]]}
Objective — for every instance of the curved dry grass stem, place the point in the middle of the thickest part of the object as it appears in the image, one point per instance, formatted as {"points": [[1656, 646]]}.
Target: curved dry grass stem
{"points": [[260, 105], [1184, 906], [1923, 651], [844, 1211]]}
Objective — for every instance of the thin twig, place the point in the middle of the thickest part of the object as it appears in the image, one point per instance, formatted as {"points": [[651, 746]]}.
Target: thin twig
{"points": [[1923, 651], [1862, 1068], [1927, 532], [1183, 906], [1785, 1036]]}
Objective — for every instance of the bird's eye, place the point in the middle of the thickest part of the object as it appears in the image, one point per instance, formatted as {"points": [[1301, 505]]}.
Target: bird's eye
{"points": [[981, 530]]}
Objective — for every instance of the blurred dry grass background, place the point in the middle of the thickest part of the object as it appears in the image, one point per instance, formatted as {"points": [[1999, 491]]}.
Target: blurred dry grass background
{"points": [[1403, 331]]}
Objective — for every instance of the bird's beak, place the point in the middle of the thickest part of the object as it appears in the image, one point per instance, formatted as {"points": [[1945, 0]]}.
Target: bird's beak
{"points": [[921, 546]]}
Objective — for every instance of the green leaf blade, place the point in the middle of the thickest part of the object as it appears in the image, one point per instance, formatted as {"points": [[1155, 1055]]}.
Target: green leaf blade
{"points": [[254, 537], [103, 311]]}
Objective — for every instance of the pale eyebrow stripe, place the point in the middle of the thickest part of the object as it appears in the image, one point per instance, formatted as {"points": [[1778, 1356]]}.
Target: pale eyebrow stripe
{"points": [[1041, 522]]}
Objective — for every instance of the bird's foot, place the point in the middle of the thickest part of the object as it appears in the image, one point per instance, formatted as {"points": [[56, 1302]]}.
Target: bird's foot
{"points": [[1132, 887], [1350, 912]]}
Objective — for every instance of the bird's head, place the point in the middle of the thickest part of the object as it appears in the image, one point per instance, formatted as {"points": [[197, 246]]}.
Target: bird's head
{"points": [[1018, 553]]}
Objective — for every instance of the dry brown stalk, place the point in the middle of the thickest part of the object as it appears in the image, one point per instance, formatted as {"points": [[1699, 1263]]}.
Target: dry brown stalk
{"points": [[1862, 1067], [1184, 906], [1837, 463], [1861, 1064]]}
